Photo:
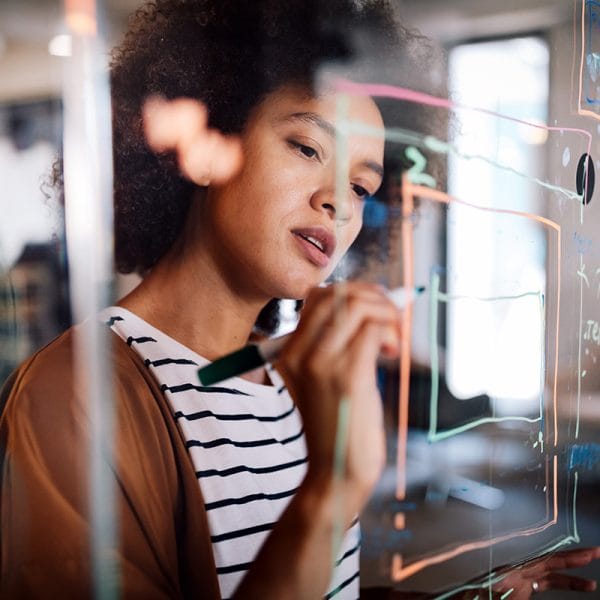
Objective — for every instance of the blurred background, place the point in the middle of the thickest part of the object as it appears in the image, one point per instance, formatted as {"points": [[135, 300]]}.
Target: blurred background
{"points": [[467, 481]]}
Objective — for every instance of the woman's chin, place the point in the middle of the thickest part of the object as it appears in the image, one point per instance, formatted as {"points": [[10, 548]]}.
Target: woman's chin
{"points": [[297, 286], [300, 290]]}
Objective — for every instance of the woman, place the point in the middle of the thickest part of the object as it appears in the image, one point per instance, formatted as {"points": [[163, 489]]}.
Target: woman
{"points": [[220, 227]]}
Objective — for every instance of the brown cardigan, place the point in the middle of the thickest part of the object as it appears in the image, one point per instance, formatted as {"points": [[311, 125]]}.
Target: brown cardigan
{"points": [[164, 548]]}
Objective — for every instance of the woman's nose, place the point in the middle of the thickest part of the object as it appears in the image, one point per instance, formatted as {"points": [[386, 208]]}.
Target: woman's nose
{"points": [[328, 199]]}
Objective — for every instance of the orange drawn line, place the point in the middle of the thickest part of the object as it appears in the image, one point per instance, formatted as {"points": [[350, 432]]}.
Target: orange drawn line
{"points": [[408, 279], [409, 192], [425, 192], [399, 521], [81, 16], [398, 572]]}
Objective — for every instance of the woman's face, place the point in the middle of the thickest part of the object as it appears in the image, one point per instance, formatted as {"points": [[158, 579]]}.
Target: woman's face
{"points": [[279, 228]]}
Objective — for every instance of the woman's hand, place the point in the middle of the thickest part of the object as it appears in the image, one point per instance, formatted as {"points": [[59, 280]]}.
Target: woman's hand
{"points": [[329, 366], [538, 575], [518, 583], [544, 574], [204, 155]]}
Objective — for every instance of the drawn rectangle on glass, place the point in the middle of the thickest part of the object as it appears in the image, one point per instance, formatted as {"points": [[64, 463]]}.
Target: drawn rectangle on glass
{"points": [[419, 558]]}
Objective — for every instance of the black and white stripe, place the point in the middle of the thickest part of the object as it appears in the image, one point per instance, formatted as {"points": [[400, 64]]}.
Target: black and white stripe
{"points": [[247, 447]]}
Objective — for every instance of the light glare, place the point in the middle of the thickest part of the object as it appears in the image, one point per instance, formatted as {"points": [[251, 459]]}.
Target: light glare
{"points": [[60, 45]]}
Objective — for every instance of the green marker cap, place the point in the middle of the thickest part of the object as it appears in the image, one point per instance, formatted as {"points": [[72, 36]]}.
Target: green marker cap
{"points": [[232, 365]]}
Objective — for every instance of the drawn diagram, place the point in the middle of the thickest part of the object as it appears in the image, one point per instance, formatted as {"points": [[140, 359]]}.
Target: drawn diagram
{"points": [[545, 430]]}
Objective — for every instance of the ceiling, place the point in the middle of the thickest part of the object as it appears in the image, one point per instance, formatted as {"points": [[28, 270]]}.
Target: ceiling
{"points": [[27, 70], [31, 20], [450, 21], [26, 26]]}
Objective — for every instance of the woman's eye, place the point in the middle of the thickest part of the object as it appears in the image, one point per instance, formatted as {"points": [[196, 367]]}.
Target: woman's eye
{"points": [[307, 151], [359, 191]]}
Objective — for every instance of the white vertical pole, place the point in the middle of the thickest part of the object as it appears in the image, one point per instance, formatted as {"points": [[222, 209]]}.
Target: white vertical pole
{"points": [[89, 232]]}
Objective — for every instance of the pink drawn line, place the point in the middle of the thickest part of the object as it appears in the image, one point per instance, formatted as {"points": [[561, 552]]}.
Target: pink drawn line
{"points": [[398, 93]]}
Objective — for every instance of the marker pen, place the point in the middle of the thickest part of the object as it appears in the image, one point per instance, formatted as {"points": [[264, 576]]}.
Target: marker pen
{"points": [[253, 356]]}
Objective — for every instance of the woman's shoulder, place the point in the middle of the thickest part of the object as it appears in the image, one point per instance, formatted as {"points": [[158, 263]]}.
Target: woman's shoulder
{"points": [[48, 369], [48, 397], [58, 371]]}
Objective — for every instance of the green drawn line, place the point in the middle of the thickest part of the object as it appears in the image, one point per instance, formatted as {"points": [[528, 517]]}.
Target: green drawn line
{"points": [[435, 368], [542, 373], [417, 171], [579, 351], [575, 531], [436, 145], [428, 142], [507, 594], [436, 437], [447, 297], [435, 295], [464, 588], [341, 151], [565, 541], [339, 468]]}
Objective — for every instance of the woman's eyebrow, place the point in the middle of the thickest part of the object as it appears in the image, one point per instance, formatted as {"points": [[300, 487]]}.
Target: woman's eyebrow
{"points": [[373, 166], [315, 119]]}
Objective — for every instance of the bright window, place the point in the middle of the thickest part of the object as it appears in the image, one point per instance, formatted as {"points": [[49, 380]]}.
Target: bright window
{"points": [[496, 263]]}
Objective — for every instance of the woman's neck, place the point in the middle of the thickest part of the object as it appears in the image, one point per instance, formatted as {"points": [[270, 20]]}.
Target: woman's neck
{"points": [[194, 306]]}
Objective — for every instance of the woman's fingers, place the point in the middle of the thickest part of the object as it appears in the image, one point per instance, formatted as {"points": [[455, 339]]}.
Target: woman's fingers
{"points": [[545, 573], [341, 328], [333, 315], [366, 411], [567, 559], [205, 156], [362, 351], [562, 581]]}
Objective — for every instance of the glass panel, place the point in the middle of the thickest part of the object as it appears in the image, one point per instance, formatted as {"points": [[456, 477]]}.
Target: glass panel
{"points": [[488, 202]]}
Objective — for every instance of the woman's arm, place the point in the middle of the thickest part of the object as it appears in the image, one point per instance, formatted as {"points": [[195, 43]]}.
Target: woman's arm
{"points": [[330, 369]]}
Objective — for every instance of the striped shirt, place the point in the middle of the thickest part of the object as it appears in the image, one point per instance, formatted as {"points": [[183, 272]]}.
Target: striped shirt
{"points": [[247, 447]]}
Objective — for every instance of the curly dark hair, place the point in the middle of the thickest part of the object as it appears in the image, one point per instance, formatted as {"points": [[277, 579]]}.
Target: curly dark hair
{"points": [[227, 53], [230, 54]]}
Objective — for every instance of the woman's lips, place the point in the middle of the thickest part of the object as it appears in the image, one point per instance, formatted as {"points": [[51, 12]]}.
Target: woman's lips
{"points": [[317, 256]]}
